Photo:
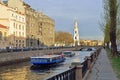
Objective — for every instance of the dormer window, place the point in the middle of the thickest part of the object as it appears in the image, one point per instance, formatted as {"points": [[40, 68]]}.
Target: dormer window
{"points": [[16, 9], [12, 15]]}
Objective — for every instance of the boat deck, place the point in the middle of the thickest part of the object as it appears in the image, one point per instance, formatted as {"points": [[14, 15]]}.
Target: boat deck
{"points": [[46, 56]]}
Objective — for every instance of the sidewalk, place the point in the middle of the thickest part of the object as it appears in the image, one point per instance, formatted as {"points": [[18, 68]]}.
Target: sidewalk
{"points": [[102, 69]]}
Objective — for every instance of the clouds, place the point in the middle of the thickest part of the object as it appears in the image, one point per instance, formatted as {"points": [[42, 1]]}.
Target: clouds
{"points": [[88, 13]]}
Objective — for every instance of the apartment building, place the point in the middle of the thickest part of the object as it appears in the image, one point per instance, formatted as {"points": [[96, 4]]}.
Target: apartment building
{"points": [[39, 27], [15, 22], [3, 36], [26, 26]]}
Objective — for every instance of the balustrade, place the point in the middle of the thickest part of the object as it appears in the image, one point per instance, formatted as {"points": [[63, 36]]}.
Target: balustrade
{"points": [[79, 70]]}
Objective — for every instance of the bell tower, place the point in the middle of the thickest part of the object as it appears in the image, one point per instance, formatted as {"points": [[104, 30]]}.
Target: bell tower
{"points": [[76, 34]]}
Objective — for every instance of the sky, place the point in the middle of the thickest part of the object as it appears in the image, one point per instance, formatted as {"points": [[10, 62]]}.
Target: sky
{"points": [[87, 12]]}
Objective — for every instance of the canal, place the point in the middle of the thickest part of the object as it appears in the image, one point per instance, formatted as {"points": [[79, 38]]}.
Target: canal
{"points": [[22, 71]]}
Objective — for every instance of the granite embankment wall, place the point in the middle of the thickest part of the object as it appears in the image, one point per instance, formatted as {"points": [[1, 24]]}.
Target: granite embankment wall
{"points": [[18, 57]]}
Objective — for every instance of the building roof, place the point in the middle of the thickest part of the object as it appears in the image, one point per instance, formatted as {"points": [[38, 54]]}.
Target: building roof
{"points": [[5, 2], [2, 26]]}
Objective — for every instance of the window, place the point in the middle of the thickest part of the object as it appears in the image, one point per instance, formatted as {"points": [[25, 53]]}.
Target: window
{"points": [[12, 15], [19, 26], [16, 16], [23, 19], [23, 45], [16, 9], [19, 41], [14, 25], [22, 33], [75, 37], [5, 35], [19, 18], [0, 35], [14, 33], [19, 34], [40, 29], [16, 41], [19, 45], [23, 27]]}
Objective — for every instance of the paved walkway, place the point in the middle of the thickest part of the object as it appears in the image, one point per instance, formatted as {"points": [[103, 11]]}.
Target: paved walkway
{"points": [[102, 70]]}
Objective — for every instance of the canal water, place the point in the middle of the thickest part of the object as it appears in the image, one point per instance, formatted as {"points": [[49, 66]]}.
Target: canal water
{"points": [[22, 71]]}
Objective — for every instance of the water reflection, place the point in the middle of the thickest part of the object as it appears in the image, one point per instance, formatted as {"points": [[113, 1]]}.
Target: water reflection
{"points": [[23, 72]]}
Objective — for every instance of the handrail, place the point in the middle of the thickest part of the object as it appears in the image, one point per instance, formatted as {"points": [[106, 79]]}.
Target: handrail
{"points": [[72, 72], [66, 75], [84, 68]]}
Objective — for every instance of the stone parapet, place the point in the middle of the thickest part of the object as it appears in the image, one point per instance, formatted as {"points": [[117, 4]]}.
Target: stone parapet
{"points": [[13, 57]]}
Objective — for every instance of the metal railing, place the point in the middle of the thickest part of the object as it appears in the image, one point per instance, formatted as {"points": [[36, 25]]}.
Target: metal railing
{"points": [[92, 57], [84, 68], [72, 72], [66, 75]]}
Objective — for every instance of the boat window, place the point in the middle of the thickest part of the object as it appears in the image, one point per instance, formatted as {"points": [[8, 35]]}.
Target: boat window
{"points": [[34, 60], [54, 58], [43, 60], [50, 59], [67, 52]]}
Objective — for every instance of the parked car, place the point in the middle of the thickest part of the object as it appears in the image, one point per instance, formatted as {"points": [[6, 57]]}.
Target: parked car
{"points": [[87, 49], [68, 53]]}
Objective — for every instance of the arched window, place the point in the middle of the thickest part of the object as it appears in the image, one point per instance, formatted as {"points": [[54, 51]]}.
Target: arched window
{"points": [[0, 35]]}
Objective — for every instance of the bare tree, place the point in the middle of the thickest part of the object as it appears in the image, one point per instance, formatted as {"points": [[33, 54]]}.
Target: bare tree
{"points": [[106, 33], [118, 23], [105, 23]]}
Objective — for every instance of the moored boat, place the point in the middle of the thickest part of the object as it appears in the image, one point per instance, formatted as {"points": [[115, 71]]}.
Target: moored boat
{"points": [[47, 60]]}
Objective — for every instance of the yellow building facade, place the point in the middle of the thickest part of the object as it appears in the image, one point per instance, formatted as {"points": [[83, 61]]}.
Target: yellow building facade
{"points": [[15, 22], [91, 43], [3, 36], [38, 28]]}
